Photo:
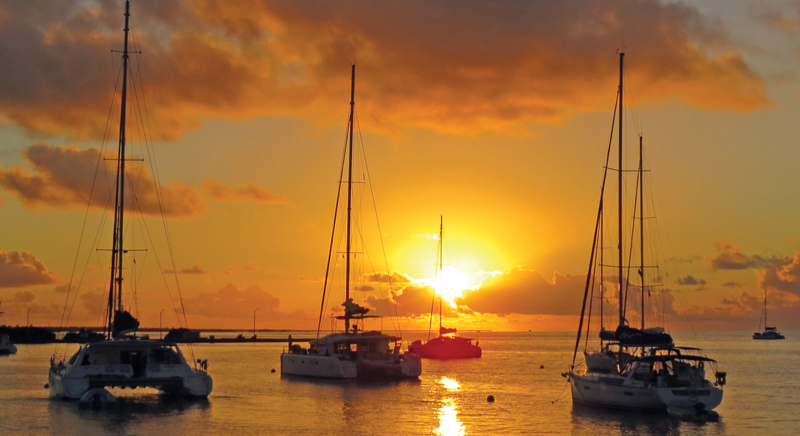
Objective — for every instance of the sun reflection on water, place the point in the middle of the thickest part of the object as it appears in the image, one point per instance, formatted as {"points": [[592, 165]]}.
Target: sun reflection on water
{"points": [[449, 425], [450, 384]]}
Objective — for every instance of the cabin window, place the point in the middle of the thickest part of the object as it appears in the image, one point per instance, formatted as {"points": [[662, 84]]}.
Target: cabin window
{"points": [[73, 358]]}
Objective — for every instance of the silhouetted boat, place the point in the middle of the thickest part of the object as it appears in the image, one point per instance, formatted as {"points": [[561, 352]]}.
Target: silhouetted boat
{"points": [[446, 345], [637, 368], [769, 332], [6, 345], [122, 359], [352, 353]]}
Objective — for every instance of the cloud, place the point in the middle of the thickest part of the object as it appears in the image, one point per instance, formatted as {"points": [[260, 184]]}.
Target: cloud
{"points": [[781, 274], [382, 277], [732, 285], [194, 269], [20, 269], [772, 17], [68, 177], [232, 302], [690, 280], [413, 300], [247, 192], [730, 257], [460, 67], [524, 291]]}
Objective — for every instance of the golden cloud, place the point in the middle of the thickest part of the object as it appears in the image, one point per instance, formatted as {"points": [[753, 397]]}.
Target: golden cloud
{"points": [[455, 67], [247, 192], [23, 269], [70, 178]]}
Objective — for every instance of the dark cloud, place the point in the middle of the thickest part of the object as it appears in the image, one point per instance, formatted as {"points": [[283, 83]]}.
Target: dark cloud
{"points": [[732, 285], [730, 257], [781, 274], [67, 178], [382, 277], [194, 270], [412, 300], [232, 302], [451, 66], [524, 291], [247, 192], [20, 269], [690, 280]]}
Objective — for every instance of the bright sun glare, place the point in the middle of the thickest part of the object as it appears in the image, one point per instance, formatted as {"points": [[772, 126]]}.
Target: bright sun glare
{"points": [[450, 284]]}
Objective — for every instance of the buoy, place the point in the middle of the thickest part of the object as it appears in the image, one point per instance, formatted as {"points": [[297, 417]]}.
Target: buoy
{"points": [[273, 370], [490, 398], [541, 366], [47, 385]]}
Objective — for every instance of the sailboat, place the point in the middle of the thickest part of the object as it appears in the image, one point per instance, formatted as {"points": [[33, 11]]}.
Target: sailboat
{"points": [[6, 345], [122, 359], [447, 345], [637, 368], [352, 353], [769, 332]]}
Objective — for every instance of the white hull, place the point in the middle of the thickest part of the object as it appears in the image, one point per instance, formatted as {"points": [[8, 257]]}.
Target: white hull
{"points": [[310, 365], [607, 391], [98, 366]]}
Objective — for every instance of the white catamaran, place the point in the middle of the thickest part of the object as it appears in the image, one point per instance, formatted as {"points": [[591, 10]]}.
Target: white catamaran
{"points": [[353, 353], [769, 332], [122, 359], [637, 368]]}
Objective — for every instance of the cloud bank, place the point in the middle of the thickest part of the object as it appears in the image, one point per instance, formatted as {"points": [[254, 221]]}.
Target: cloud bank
{"points": [[461, 67]]}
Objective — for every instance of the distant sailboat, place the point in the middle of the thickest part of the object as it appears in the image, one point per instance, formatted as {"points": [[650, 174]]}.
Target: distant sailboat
{"points": [[769, 332], [446, 345], [638, 368], [352, 353], [6, 345], [122, 359]]}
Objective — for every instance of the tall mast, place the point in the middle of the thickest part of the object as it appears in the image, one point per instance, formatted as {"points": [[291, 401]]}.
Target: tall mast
{"points": [[621, 314], [439, 272], [765, 309], [349, 194], [641, 224], [117, 251]]}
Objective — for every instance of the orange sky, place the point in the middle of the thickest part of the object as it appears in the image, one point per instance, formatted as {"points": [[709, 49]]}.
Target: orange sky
{"points": [[495, 117]]}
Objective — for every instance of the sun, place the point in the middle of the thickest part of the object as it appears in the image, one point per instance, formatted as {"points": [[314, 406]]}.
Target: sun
{"points": [[450, 284]]}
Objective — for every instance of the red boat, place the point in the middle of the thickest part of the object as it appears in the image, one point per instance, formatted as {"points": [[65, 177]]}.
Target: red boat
{"points": [[444, 346]]}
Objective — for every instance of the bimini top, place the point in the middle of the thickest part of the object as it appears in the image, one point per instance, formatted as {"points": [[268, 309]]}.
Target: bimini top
{"points": [[629, 336], [354, 338], [670, 357], [130, 344]]}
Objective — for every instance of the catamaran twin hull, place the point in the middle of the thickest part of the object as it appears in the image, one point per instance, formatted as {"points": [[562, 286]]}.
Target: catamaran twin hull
{"points": [[340, 367], [612, 392], [127, 364]]}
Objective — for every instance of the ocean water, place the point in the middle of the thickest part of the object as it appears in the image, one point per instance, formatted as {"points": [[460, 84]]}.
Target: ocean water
{"points": [[521, 370]]}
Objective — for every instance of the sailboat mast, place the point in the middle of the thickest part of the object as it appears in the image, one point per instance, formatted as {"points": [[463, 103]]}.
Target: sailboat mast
{"points": [[117, 251], [641, 223], [621, 298], [439, 272], [349, 193], [765, 309]]}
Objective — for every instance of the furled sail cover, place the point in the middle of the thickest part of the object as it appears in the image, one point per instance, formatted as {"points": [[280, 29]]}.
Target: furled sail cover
{"points": [[446, 330], [351, 308], [651, 337], [124, 322]]}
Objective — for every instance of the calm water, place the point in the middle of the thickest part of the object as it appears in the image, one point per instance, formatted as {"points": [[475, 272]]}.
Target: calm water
{"points": [[762, 395]]}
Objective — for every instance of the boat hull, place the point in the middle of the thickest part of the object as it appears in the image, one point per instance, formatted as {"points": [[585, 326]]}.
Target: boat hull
{"points": [[445, 353], [198, 384], [596, 391], [410, 366], [310, 365]]}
